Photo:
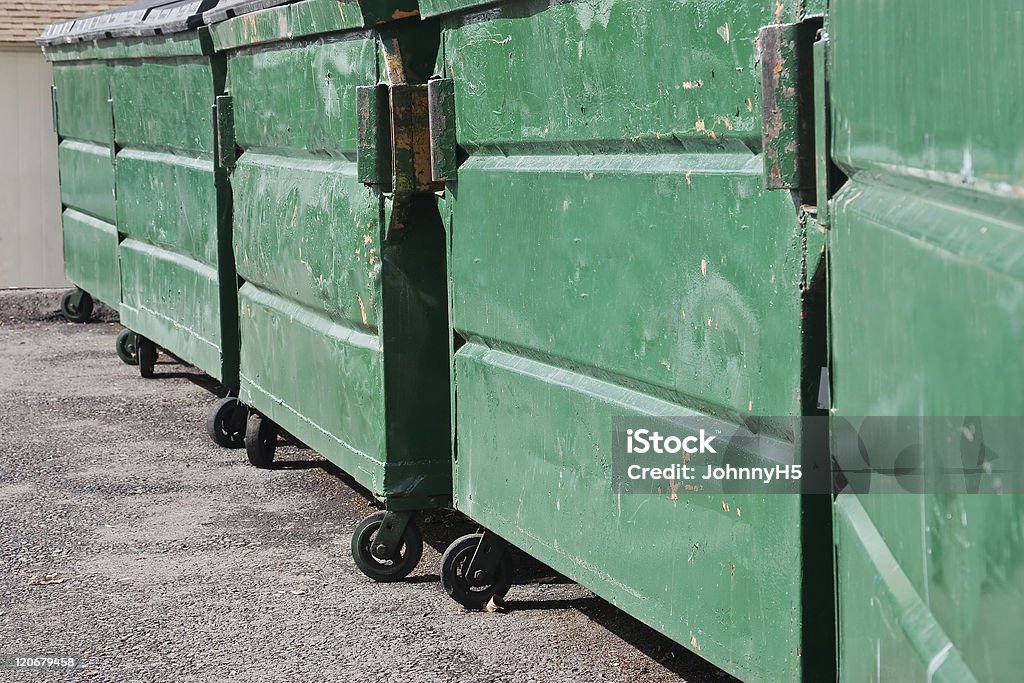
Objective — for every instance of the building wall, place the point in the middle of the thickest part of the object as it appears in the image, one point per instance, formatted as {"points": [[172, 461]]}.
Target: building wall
{"points": [[31, 252]]}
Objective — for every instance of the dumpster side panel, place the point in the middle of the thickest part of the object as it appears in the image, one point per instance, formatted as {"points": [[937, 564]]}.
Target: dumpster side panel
{"points": [[950, 337], [172, 299], [85, 125], [166, 200], [534, 465], [927, 298], [313, 95], [90, 255], [87, 178], [165, 103], [306, 235], [613, 253], [82, 92], [168, 205], [307, 238]]}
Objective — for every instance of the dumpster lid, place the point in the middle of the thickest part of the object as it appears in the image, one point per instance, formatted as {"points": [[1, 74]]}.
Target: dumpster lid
{"points": [[226, 9], [59, 32], [103, 25], [171, 17]]}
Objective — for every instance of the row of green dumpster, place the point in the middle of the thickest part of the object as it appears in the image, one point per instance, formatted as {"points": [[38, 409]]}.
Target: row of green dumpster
{"points": [[447, 244]]}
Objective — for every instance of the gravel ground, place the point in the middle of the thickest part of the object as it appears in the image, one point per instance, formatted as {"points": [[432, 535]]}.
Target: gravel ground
{"points": [[130, 540]]}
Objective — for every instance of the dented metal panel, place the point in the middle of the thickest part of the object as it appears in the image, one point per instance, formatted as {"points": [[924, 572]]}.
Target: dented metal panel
{"points": [[343, 311], [927, 298], [614, 253]]}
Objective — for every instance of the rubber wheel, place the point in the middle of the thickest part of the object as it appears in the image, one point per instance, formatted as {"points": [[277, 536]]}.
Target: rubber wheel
{"points": [[260, 441], [127, 347], [146, 352], [455, 582], [226, 423], [385, 571], [79, 313]]}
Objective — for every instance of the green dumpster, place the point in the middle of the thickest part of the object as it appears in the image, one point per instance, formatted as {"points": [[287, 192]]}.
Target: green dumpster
{"points": [[83, 120], [173, 200], [927, 297], [620, 246], [340, 251]]}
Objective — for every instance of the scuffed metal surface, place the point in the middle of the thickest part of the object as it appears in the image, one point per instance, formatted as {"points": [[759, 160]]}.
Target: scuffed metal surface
{"points": [[343, 315], [613, 253], [83, 119], [787, 95], [170, 202], [927, 262]]}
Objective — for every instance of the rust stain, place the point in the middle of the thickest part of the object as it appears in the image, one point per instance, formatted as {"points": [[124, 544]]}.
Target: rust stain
{"points": [[399, 14], [362, 310], [699, 125], [779, 7], [728, 123], [750, 105], [688, 181], [693, 643], [690, 85], [704, 267]]}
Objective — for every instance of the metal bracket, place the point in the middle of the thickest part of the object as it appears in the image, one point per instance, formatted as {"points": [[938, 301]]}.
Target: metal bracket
{"points": [[53, 108], [388, 538], [223, 132], [787, 104], [822, 129], [373, 138], [410, 139], [486, 559], [441, 104]]}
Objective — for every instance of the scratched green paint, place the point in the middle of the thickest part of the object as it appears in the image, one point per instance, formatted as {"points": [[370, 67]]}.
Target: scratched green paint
{"points": [[927, 297], [178, 281], [87, 178], [333, 289], [314, 83], [613, 252], [90, 255], [85, 126]]}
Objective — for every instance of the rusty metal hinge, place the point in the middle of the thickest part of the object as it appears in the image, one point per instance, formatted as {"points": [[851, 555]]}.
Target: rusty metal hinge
{"points": [[373, 137], [443, 158], [410, 139], [787, 104]]}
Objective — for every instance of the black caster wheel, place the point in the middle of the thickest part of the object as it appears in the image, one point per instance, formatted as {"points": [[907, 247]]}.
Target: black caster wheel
{"points": [[474, 592], [374, 560], [260, 440], [145, 350], [76, 306], [127, 347], [226, 423]]}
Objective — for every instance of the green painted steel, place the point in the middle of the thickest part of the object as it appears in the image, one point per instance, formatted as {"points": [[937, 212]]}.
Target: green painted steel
{"points": [[173, 203], [84, 122], [614, 253], [343, 312], [927, 304]]}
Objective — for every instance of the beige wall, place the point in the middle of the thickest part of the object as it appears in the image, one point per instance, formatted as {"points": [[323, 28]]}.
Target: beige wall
{"points": [[31, 254]]}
